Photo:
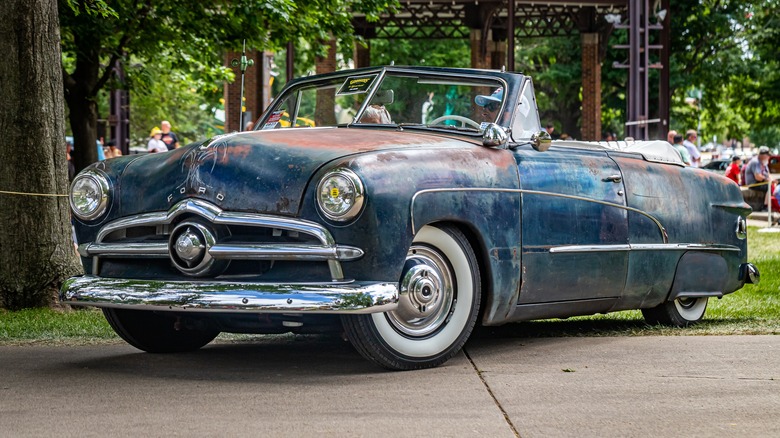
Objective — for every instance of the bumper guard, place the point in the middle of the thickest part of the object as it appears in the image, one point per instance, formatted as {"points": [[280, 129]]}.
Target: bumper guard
{"points": [[337, 297]]}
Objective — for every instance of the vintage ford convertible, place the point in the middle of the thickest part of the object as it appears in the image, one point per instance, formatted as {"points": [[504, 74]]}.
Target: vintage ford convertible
{"points": [[401, 205]]}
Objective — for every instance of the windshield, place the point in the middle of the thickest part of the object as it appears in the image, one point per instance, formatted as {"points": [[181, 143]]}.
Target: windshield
{"points": [[406, 99]]}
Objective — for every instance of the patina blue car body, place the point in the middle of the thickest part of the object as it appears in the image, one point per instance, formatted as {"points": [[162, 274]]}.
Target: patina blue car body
{"points": [[572, 228]]}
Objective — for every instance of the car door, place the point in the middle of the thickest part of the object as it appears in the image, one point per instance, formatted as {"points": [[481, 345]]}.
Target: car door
{"points": [[574, 226]]}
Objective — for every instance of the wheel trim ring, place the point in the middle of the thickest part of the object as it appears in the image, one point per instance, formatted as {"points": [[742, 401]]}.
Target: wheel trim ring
{"points": [[449, 333], [691, 309], [435, 265]]}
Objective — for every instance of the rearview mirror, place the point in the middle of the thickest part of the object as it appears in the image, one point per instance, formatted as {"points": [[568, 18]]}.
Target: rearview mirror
{"points": [[494, 136], [541, 141]]}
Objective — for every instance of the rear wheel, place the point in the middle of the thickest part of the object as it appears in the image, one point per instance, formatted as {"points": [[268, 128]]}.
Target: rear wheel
{"points": [[156, 333], [437, 310], [681, 312]]}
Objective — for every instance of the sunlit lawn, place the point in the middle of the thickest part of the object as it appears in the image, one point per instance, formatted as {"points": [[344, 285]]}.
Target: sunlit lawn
{"points": [[755, 309]]}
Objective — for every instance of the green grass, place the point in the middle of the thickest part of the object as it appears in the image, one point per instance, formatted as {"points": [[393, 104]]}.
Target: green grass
{"points": [[49, 326], [754, 309]]}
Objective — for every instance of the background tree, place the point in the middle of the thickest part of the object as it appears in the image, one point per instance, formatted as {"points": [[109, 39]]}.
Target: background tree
{"points": [[555, 66], [36, 252], [98, 35]]}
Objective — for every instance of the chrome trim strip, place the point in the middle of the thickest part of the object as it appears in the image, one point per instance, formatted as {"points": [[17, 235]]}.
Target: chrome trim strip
{"points": [[125, 249], [284, 252], [217, 216], [589, 248], [342, 297], [660, 226], [644, 247], [684, 247], [229, 251], [287, 224]]}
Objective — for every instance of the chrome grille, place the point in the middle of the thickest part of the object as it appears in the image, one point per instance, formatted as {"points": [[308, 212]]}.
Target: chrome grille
{"points": [[248, 236]]}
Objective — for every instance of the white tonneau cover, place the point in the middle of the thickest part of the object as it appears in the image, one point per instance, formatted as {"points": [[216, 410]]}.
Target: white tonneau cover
{"points": [[658, 151]]}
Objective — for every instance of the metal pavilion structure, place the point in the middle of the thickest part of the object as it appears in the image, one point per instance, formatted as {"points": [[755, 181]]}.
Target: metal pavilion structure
{"points": [[487, 24]]}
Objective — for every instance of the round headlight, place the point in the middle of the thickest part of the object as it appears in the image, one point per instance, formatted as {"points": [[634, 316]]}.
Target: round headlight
{"points": [[340, 195], [89, 195]]}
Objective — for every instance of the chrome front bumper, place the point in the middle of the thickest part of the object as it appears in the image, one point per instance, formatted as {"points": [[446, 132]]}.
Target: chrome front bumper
{"points": [[200, 296]]}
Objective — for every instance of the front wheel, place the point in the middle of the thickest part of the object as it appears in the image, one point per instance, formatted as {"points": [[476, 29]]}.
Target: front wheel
{"points": [[437, 309], [681, 312], [156, 333]]}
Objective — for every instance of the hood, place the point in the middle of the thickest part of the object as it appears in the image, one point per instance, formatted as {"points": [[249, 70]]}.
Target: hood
{"points": [[258, 171]]}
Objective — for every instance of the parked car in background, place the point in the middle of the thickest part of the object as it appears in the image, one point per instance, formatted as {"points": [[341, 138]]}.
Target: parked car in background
{"points": [[774, 164], [718, 165], [401, 229]]}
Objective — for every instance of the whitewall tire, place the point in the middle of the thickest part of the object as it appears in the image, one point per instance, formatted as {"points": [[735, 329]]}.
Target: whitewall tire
{"points": [[681, 312], [438, 306]]}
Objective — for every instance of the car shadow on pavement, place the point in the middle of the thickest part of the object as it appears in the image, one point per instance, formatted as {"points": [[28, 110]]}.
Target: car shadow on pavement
{"points": [[562, 328], [302, 356]]}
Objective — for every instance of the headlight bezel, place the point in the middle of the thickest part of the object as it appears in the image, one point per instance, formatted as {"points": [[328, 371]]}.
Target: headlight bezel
{"points": [[101, 182], [357, 200]]}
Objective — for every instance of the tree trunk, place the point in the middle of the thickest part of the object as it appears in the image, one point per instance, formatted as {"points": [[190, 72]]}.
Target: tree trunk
{"points": [[36, 249], [83, 123], [80, 93]]}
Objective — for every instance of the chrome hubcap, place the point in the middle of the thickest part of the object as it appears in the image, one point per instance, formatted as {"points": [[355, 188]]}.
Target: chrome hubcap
{"points": [[686, 303], [427, 293]]}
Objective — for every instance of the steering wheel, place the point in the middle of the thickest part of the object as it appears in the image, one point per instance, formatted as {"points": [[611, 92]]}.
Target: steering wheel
{"points": [[463, 121]]}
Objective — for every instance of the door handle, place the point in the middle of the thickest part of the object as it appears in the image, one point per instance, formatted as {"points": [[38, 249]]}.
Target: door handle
{"points": [[613, 178]]}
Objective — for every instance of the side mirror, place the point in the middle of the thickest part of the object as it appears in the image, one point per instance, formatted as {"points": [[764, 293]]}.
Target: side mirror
{"points": [[494, 136], [541, 141]]}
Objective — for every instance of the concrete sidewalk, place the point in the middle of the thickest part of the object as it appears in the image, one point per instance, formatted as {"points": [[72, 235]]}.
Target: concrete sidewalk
{"points": [[502, 385]]}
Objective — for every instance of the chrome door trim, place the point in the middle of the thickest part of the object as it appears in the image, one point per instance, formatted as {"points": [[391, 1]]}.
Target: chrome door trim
{"points": [[660, 226], [643, 247], [589, 248]]}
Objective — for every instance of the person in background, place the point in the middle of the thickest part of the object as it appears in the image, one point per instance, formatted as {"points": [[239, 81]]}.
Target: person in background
{"points": [[155, 144], [757, 171], [249, 126], [112, 151], [670, 136], [170, 139], [733, 171], [677, 143], [690, 137], [71, 167], [551, 130], [427, 109]]}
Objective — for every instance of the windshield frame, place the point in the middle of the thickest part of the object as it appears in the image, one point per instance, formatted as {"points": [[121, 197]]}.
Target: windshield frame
{"points": [[511, 83]]}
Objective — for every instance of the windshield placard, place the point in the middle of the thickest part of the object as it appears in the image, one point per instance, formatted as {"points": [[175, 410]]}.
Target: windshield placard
{"points": [[356, 84]]}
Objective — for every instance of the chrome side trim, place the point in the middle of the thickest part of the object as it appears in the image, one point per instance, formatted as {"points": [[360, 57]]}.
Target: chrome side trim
{"points": [[660, 226], [644, 247], [684, 247], [589, 248], [341, 297]]}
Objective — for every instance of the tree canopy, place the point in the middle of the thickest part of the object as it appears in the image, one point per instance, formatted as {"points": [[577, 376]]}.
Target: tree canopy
{"points": [[99, 34]]}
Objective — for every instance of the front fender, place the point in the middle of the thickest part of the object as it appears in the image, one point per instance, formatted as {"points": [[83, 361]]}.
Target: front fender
{"points": [[410, 188], [492, 218]]}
